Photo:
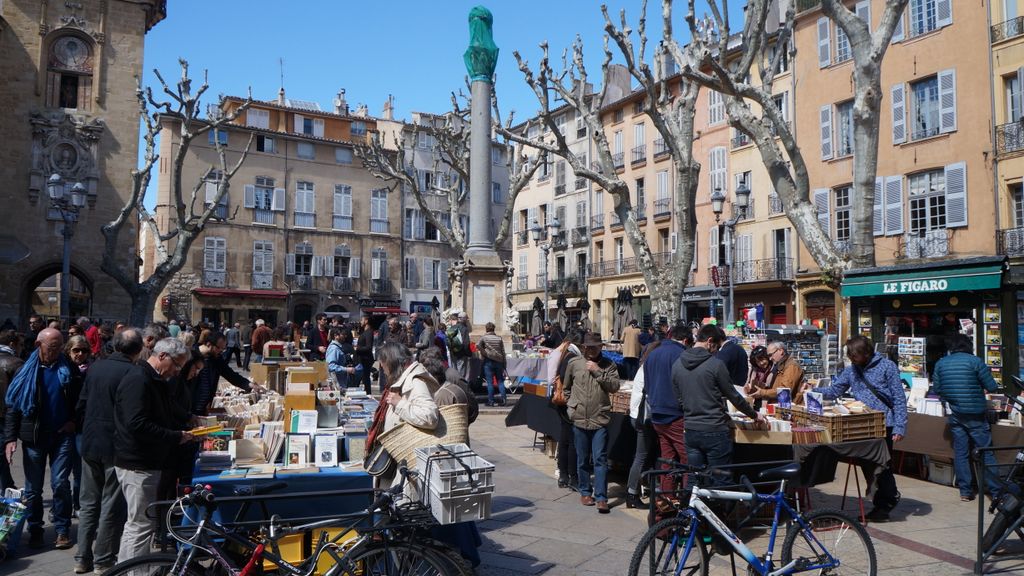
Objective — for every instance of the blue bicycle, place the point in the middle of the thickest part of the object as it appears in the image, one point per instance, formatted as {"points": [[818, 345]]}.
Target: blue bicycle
{"points": [[826, 542]]}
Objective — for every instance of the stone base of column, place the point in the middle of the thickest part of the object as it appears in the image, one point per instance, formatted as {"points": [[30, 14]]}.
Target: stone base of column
{"points": [[480, 287]]}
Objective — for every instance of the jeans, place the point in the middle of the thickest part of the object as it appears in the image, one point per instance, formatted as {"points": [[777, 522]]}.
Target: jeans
{"points": [[364, 376], [76, 472], [257, 358], [102, 516], [236, 352], [709, 448], [630, 366], [646, 453], [595, 444], [973, 429], [461, 365], [246, 356], [673, 447], [493, 370], [58, 450], [887, 496], [566, 451], [139, 488]]}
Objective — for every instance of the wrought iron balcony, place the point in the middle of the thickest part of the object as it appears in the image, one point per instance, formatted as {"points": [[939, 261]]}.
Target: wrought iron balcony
{"points": [[559, 189], [615, 221], [262, 281], [345, 285], [932, 244], [612, 267], [1009, 137], [639, 154], [619, 160], [379, 226], [580, 236], [660, 148], [522, 238], [303, 282], [523, 282], [382, 286], [213, 279], [774, 205], [755, 271], [569, 286], [581, 132], [662, 207], [1011, 242], [597, 222], [740, 140], [1010, 29], [559, 241], [581, 183], [542, 280], [803, 5]]}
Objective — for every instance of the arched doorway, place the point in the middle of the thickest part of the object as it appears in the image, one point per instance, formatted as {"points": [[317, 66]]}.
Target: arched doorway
{"points": [[821, 305], [41, 294], [301, 313]]}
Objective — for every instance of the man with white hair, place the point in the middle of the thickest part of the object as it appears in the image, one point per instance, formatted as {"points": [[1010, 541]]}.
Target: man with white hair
{"points": [[144, 435], [260, 336]]}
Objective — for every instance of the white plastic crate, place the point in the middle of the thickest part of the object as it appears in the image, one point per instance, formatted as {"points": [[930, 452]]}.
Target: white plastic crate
{"points": [[457, 509], [449, 475]]}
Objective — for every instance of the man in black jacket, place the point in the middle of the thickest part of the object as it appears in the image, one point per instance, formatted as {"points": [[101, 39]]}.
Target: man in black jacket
{"points": [[364, 352], [102, 515], [215, 367], [736, 362], [41, 413], [316, 338], [10, 363], [143, 437]]}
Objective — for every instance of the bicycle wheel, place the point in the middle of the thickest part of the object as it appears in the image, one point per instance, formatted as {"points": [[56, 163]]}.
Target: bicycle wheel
{"points": [[833, 543], [152, 565], [388, 559], [1000, 522], [660, 551]]}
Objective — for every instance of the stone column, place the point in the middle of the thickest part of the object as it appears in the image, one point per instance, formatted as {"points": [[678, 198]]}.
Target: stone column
{"points": [[480, 57]]}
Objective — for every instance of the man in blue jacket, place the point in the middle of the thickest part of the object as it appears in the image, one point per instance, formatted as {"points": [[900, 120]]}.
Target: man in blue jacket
{"points": [[961, 380], [875, 380], [666, 414]]}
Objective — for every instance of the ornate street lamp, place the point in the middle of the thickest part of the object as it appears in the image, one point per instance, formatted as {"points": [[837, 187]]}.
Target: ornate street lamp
{"points": [[537, 232], [68, 203]]}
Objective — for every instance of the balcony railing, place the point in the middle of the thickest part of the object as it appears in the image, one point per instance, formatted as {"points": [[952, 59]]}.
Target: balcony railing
{"points": [[639, 154], [559, 189], [612, 267], [581, 132], [931, 244], [802, 5], [342, 223], [581, 183], [922, 132], [542, 280], [213, 279], [262, 281], [774, 205], [523, 283], [303, 282], [379, 226], [619, 160], [756, 271], [346, 285], [580, 237], [1011, 242], [260, 216], [305, 220], [1009, 29], [662, 207], [382, 286], [1009, 137], [570, 286], [560, 241], [740, 140], [597, 222], [660, 149], [522, 238], [615, 221], [748, 212]]}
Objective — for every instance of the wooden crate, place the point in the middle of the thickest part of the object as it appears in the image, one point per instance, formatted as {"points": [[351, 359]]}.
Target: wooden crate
{"points": [[620, 402], [840, 427]]}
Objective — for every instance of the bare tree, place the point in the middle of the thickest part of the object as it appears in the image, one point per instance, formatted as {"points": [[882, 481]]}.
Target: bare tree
{"points": [[670, 103], [447, 139], [190, 209]]}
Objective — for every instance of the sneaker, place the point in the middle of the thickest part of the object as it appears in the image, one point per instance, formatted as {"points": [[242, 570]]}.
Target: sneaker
{"points": [[563, 483], [63, 542], [101, 569], [967, 497], [35, 540], [633, 501], [83, 567]]}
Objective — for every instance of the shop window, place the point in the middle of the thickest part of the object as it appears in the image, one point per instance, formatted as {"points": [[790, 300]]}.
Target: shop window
{"points": [[69, 73], [927, 201]]}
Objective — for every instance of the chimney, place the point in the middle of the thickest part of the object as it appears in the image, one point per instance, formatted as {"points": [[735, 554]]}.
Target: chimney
{"points": [[389, 108], [340, 105], [362, 111], [280, 97]]}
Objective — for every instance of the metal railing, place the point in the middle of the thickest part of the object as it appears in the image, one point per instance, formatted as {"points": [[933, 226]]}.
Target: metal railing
{"points": [[775, 205], [612, 267], [615, 221], [662, 207], [1005, 30], [619, 160], [214, 279], [342, 284], [740, 140], [523, 283], [569, 285], [660, 148], [262, 281], [639, 154], [1010, 242], [542, 280], [380, 226], [342, 223], [522, 238], [597, 222], [382, 286], [581, 183], [580, 236], [303, 282], [802, 5], [924, 132], [1009, 137], [559, 189], [261, 216], [305, 219], [931, 244], [756, 271], [559, 241]]}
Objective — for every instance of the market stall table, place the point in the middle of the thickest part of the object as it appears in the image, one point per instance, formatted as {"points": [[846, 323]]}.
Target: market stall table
{"points": [[523, 369], [930, 435], [537, 414]]}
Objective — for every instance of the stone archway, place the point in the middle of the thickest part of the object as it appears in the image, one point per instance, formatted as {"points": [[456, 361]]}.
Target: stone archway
{"points": [[41, 293]]}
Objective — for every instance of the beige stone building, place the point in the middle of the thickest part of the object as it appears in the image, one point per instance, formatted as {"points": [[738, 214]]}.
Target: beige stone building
{"points": [[71, 111], [305, 228]]}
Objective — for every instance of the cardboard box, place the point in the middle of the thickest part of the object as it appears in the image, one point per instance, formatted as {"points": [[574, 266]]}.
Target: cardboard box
{"points": [[536, 389], [301, 374], [763, 437], [298, 401]]}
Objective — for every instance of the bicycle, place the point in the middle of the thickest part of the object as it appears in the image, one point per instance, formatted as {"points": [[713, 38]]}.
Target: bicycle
{"points": [[1008, 508], [677, 545], [389, 544]]}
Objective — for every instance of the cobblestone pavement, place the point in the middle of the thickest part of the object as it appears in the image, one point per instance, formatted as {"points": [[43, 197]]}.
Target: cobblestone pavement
{"points": [[537, 528]]}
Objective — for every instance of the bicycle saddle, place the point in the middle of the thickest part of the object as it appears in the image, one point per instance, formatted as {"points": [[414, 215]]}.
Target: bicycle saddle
{"points": [[789, 471]]}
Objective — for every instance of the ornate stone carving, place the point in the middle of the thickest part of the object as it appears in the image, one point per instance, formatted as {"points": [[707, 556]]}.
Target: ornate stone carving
{"points": [[64, 144], [456, 275]]}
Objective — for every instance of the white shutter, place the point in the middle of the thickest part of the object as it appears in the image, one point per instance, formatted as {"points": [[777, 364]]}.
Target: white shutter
{"points": [[821, 205], [713, 245], [864, 12], [944, 12], [277, 202], [825, 122], [420, 221], [893, 205], [317, 268], [897, 33], [209, 257], [443, 273], [899, 114], [289, 264], [374, 269], [947, 101], [354, 266], [329, 266], [824, 43], [878, 214], [1018, 97], [956, 195], [744, 248], [318, 127], [211, 192], [299, 121], [249, 200], [339, 202], [787, 243]]}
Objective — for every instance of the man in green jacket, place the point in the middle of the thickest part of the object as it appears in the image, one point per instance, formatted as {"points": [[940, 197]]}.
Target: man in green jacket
{"points": [[589, 379]]}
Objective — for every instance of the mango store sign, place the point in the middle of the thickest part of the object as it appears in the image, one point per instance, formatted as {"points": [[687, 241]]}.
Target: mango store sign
{"points": [[915, 286]]}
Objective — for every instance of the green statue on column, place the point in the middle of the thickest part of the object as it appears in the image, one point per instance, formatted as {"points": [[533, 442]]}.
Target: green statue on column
{"points": [[482, 55]]}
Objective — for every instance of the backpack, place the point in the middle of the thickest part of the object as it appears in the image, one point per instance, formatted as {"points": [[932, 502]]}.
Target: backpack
{"points": [[455, 343]]}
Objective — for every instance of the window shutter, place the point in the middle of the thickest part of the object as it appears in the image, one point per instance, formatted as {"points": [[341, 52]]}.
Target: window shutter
{"points": [[277, 202], [713, 246], [864, 12], [825, 121], [897, 33], [821, 205], [209, 259], [339, 202], [745, 248], [787, 243], [299, 121], [947, 101], [824, 43], [289, 264], [317, 268], [354, 266], [1019, 96], [443, 273], [318, 127], [899, 114], [211, 192], [328, 266], [956, 195], [878, 215], [249, 201], [943, 12], [893, 205], [375, 269], [420, 221]]}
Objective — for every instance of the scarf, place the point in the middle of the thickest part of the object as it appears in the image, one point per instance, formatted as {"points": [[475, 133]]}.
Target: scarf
{"points": [[22, 393]]}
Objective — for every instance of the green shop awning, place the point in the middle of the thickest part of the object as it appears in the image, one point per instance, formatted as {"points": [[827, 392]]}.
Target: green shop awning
{"points": [[937, 280]]}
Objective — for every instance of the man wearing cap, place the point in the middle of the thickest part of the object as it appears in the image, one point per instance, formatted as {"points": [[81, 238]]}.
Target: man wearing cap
{"points": [[589, 379]]}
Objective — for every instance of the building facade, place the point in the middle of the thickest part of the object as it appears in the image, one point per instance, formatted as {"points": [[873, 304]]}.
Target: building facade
{"points": [[70, 73]]}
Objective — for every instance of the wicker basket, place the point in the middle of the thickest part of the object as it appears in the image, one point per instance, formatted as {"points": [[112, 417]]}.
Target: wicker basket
{"points": [[840, 427], [402, 440], [620, 402]]}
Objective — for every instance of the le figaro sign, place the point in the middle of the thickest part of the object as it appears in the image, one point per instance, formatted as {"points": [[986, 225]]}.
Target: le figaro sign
{"points": [[914, 286]]}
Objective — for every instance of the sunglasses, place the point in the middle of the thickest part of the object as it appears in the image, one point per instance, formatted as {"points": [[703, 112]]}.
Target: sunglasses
{"points": [[80, 350]]}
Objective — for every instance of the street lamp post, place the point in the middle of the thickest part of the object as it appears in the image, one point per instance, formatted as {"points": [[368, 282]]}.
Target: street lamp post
{"points": [[717, 204], [535, 230], [68, 203]]}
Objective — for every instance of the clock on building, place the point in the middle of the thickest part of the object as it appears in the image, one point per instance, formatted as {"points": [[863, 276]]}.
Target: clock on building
{"points": [[71, 53]]}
